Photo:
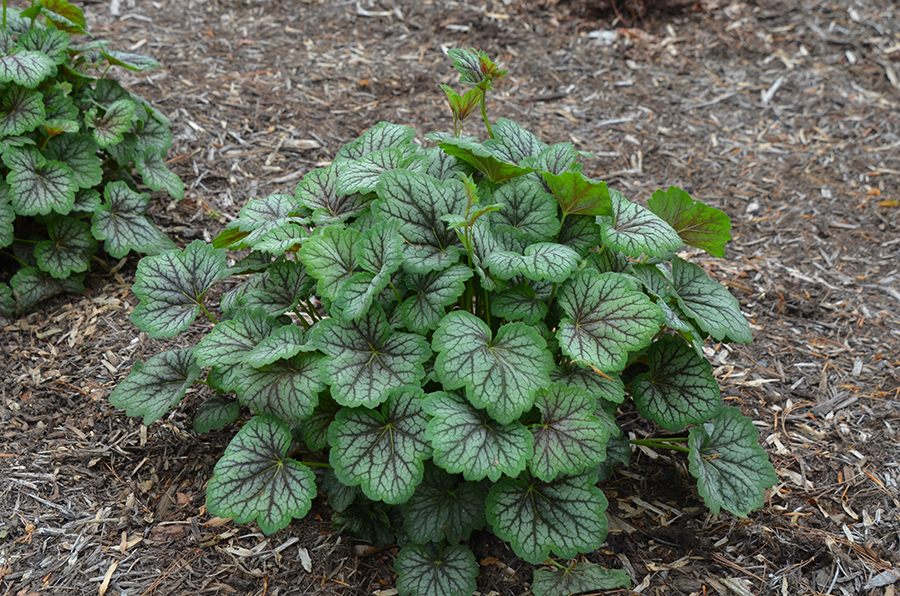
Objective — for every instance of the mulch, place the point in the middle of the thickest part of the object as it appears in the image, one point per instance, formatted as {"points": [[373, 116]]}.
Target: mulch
{"points": [[786, 115]]}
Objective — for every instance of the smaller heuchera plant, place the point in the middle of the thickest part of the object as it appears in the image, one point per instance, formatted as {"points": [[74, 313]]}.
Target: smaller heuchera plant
{"points": [[439, 341], [69, 147]]}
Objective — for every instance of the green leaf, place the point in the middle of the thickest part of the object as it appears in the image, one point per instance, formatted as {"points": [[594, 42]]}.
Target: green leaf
{"points": [[485, 158], [470, 442], [230, 341], [155, 386], [464, 105], [556, 159], [7, 302], [450, 572], [121, 223], [518, 302], [39, 186], [564, 516], [380, 136], [25, 67], [315, 427], [679, 389], [367, 359], [330, 257], [288, 389], [87, 200], [520, 142], [474, 66], [442, 507], [280, 288], [709, 303], [66, 11], [582, 577], [732, 470], [698, 224], [382, 451], [255, 480], [379, 253], [367, 521], [443, 166], [156, 175], [69, 249], [528, 209], [606, 318], [216, 412], [431, 294], [419, 202], [50, 42], [541, 261], [636, 231], [283, 343], [171, 287], [580, 233], [258, 218], [135, 62], [7, 216], [115, 121], [341, 497], [591, 382], [154, 135], [569, 438], [31, 285], [362, 175], [21, 110], [500, 374], [318, 191], [578, 195], [79, 152]]}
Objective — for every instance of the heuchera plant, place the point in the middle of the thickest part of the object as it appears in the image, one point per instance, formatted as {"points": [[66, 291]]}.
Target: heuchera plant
{"points": [[439, 341], [69, 147]]}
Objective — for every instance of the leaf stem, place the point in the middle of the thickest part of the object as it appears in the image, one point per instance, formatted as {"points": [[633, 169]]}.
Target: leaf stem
{"points": [[484, 113], [24, 241], [557, 565], [302, 319], [655, 445], [487, 307], [316, 464], [206, 312], [311, 311], [14, 257], [396, 293]]}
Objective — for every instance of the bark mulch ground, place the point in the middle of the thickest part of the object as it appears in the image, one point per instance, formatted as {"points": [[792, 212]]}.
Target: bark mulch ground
{"points": [[784, 114]]}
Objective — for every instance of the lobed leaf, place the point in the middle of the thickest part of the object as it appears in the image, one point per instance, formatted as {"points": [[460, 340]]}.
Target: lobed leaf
{"points": [[485, 158], [79, 152], [679, 389], [280, 288], [230, 341], [287, 389], [330, 257], [281, 344], [381, 136], [698, 224], [606, 318], [50, 42], [581, 577], [30, 285], [636, 231], [470, 442], [69, 249], [591, 382], [709, 303], [500, 374], [520, 142], [121, 223], [21, 110], [110, 127], [171, 287], [255, 480], [315, 427], [431, 294], [450, 572], [578, 195], [156, 175], [565, 516], [442, 507], [155, 386], [528, 209], [215, 412], [24, 67], [542, 261], [7, 216], [38, 185], [732, 470], [519, 302], [382, 451]]}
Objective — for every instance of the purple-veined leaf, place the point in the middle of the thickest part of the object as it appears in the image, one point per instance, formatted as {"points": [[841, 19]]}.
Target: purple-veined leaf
{"points": [[518, 302], [120, 222], [450, 572], [215, 412], [318, 192], [382, 450], [171, 287], [636, 231], [69, 249], [38, 185], [66, 10], [135, 62], [679, 389], [50, 42], [731, 469], [556, 159], [541, 261], [256, 481], [565, 516], [519, 142], [380, 136], [501, 374], [606, 317], [21, 110], [432, 293], [443, 507], [156, 175], [287, 389], [112, 124], [155, 386], [279, 288], [7, 216], [468, 441], [486, 158], [79, 152], [698, 224], [30, 285], [709, 303], [330, 257], [528, 209], [25, 68], [591, 382]]}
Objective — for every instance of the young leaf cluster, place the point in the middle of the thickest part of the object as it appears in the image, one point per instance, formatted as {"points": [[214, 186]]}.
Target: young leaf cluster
{"points": [[438, 340], [73, 147]]}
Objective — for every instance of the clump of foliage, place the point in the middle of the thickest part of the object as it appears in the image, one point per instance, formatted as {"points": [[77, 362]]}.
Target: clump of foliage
{"points": [[70, 143], [439, 341]]}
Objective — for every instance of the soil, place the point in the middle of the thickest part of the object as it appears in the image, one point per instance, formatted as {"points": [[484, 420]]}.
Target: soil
{"points": [[784, 114]]}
